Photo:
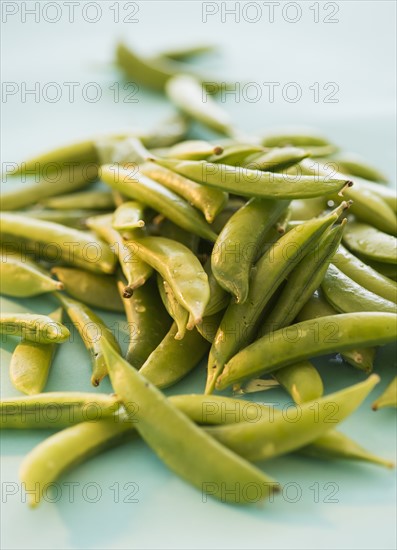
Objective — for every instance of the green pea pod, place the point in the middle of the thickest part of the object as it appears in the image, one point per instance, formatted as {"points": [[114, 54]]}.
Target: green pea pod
{"points": [[70, 218], [185, 52], [178, 313], [371, 243], [317, 306], [302, 381], [139, 187], [388, 397], [297, 137], [148, 322], [347, 296], [182, 271], [128, 216], [387, 270], [172, 231], [387, 194], [23, 278], [209, 326], [209, 201], [167, 133], [92, 289], [186, 92], [255, 183], [93, 332], [174, 358], [193, 150], [364, 275], [76, 247], [239, 241], [31, 362], [200, 460], [276, 159], [263, 440], [96, 200], [235, 155], [219, 298], [312, 338], [355, 165], [307, 209], [240, 322], [34, 328]]}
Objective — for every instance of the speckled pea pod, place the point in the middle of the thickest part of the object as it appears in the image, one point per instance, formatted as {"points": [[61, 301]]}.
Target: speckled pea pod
{"points": [[388, 397], [96, 200], [22, 278], [93, 332], [34, 328], [371, 243], [178, 313], [312, 339], [276, 159], [128, 216]]}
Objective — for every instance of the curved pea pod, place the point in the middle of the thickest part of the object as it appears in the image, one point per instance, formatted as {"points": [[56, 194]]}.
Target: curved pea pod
{"points": [[364, 275], [178, 313], [182, 271], [387, 270], [209, 326], [219, 298], [209, 201], [93, 332], [263, 440], [241, 321], [312, 338], [301, 380], [371, 243], [71, 178], [235, 154], [200, 460], [92, 289], [307, 209], [388, 397], [317, 306], [298, 137], [128, 216], [255, 183], [23, 278], [355, 165], [194, 149], [174, 358], [76, 247], [186, 92], [276, 159], [347, 296], [387, 194], [96, 200], [172, 231], [34, 328], [238, 244], [31, 361], [139, 187]]}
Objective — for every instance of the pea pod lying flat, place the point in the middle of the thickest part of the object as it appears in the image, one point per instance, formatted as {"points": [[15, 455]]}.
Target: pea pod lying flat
{"points": [[193, 150], [311, 339], [77, 247], [388, 397], [139, 187], [170, 230], [96, 200], [235, 155], [302, 381], [357, 166], [70, 218], [200, 459], [24, 278], [276, 159], [298, 137], [184, 52], [34, 328], [371, 243], [254, 183], [128, 216]]}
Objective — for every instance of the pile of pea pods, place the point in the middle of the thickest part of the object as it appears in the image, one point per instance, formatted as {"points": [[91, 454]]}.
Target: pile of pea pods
{"points": [[256, 253]]}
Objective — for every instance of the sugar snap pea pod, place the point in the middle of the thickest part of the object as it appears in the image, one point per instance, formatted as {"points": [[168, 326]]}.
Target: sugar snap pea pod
{"points": [[276, 159], [70, 218], [364, 275], [355, 165], [182, 271], [148, 322], [127, 216], [200, 459], [136, 271], [240, 322], [296, 137], [170, 230], [209, 326], [387, 194], [219, 298], [92, 289], [263, 440], [167, 133], [255, 183], [387, 270], [71, 178], [186, 92], [31, 361], [93, 332], [139, 187], [223, 217], [193, 150], [77, 247], [347, 296], [388, 397], [371, 243], [311, 339], [173, 307], [301, 380], [96, 200], [307, 209], [185, 52], [209, 201], [22, 278], [35, 328], [174, 358], [317, 306], [235, 155], [238, 244]]}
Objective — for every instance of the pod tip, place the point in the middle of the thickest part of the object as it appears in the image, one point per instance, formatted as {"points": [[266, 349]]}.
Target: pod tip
{"points": [[127, 292], [218, 150]]}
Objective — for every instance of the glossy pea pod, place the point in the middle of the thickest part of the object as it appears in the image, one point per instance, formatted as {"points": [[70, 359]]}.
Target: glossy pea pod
{"points": [[93, 332], [128, 216], [255, 183], [22, 278], [388, 397], [276, 159], [387, 194], [139, 187], [239, 242], [200, 459], [194, 149], [314, 338], [172, 231], [371, 243], [41, 329], [31, 362], [387, 270], [317, 306], [96, 200], [76, 247], [209, 326], [178, 313], [236, 154], [93, 289]]}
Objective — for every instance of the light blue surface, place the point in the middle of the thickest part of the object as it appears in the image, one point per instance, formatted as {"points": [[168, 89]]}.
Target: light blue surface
{"points": [[357, 53]]}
